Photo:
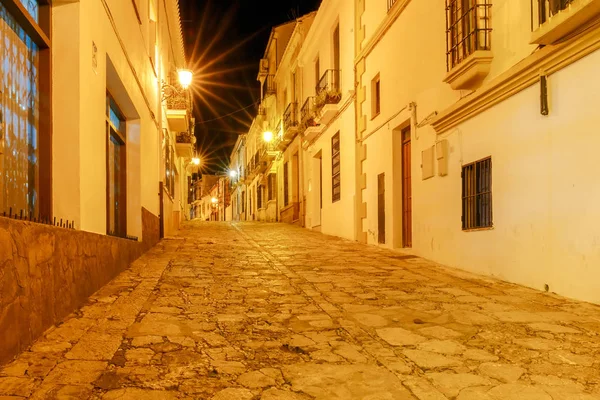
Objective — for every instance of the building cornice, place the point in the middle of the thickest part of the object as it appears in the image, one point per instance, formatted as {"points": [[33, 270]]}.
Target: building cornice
{"points": [[385, 25], [526, 73]]}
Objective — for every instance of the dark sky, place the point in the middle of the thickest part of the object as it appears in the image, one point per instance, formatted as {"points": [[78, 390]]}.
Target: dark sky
{"points": [[225, 39]]}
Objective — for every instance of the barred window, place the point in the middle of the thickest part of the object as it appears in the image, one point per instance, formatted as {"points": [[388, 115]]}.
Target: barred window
{"points": [[259, 197], [286, 194], [272, 181], [336, 181], [468, 29], [477, 194]]}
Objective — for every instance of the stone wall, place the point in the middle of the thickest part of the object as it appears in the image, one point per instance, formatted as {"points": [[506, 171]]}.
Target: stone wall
{"points": [[47, 272]]}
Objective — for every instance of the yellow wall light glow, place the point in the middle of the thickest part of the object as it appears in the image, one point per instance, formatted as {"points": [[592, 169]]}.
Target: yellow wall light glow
{"points": [[185, 77]]}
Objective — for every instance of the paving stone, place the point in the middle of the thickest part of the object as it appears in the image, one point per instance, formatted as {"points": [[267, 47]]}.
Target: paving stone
{"points": [[233, 394], [442, 347], [348, 382], [399, 336], [276, 394], [503, 372], [439, 332], [514, 391], [138, 394], [423, 390], [255, 380], [566, 357], [14, 386], [546, 327], [451, 384], [479, 355], [429, 360], [270, 311]]}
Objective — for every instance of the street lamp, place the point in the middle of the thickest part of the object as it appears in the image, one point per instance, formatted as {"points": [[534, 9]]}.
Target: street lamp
{"points": [[196, 161], [184, 77], [233, 173], [214, 200], [268, 136]]}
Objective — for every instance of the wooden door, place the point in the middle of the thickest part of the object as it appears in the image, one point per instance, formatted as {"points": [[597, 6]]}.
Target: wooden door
{"points": [[406, 190], [381, 208]]}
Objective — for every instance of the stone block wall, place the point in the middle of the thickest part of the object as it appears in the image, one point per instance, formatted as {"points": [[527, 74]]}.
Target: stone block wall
{"points": [[47, 272]]}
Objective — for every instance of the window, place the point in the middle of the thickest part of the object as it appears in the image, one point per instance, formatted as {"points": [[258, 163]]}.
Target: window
{"points": [[286, 190], [468, 29], [549, 8], [317, 71], [20, 150], [116, 174], [169, 165], [271, 185], [477, 195], [375, 96], [335, 168], [259, 197]]}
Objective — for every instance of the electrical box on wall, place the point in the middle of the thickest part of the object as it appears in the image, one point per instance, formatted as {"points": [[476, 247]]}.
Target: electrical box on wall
{"points": [[441, 150], [427, 163]]}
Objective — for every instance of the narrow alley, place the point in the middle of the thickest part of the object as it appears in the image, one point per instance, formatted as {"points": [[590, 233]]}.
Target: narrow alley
{"points": [[241, 311]]}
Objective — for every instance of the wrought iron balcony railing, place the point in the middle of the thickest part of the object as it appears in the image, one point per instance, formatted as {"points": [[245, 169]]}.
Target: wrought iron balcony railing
{"points": [[262, 111], [269, 87], [308, 113], [328, 89], [548, 8], [468, 29], [185, 137], [290, 117]]}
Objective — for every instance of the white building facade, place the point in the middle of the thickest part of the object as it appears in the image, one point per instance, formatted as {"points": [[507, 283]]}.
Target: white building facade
{"points": [[478, 136]]}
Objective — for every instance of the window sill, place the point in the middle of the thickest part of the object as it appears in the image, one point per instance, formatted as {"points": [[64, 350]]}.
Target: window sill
{"points": [[566, 22], [470, 73], [375, 115], [487, 228]]}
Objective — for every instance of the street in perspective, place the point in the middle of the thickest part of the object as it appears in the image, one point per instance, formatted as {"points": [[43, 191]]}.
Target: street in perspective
{"points": [[299, 200], [247, 311]]}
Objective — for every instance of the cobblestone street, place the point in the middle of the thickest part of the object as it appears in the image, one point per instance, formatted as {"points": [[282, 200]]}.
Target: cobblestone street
{"points": [[269, 311]]}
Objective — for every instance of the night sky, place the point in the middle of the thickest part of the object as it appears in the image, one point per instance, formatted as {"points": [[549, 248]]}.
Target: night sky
{"points": [[225, 39]]}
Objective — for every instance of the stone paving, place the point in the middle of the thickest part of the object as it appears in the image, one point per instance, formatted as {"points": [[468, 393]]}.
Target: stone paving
{"points": [[269, 311]]}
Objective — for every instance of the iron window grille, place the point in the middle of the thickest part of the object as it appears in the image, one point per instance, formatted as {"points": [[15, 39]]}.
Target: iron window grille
{"points": [[271, 186], [468, 29], [549, 8], [269, 87], [290, 116], [477, 195], [336, 181], [286, 194]]}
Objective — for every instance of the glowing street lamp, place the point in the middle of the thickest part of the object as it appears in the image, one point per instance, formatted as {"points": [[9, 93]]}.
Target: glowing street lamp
{"points": [[214, 200], [268, 136], [185, 78], [233, 173], [196, 161]]}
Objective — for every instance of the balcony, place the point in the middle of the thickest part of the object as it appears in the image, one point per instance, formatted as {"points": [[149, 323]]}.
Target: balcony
{"points": [[308, 119], [468, 43], [179, 110], [557, 19], [184, 145], [269, 88], [262, 111], [328, 95]]}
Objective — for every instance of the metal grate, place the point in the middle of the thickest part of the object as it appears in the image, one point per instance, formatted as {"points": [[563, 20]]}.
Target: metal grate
{"points": [[328, 88], [477, 195], [548, 8], [290, 116], [269, 87], [307, 113], [468, 29], [336, 180]]}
